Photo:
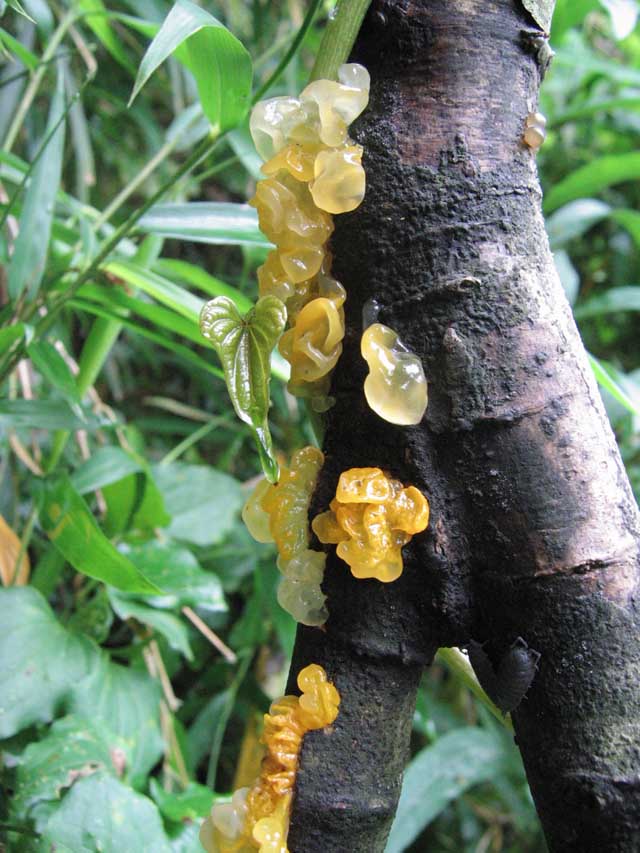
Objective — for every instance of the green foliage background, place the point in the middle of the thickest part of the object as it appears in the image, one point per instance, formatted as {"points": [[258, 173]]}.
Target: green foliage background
{"points": [[123, 465]]}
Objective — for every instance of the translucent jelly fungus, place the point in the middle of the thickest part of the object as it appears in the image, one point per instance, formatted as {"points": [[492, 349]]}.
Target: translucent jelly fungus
{"points": [[257, 818], [313, 169], [279, 513], [396, 387], [371, 517], [535, 130]]}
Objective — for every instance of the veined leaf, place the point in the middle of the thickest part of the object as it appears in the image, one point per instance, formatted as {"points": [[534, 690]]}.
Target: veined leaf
{"points": [[28, 260], [74, 531], [44, 414], [606, 381], [244, 346], [96, 18], [212, 222], [612, 301], [106, 465], [54, 369], [219, 63], [191, 274], [597, 175]]}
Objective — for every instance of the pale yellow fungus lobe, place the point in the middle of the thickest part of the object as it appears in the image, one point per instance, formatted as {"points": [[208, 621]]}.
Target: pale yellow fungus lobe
{"points": [[257, 818], [314, 170], [370, 519], [396, 387], [535, 130], [279, 513]]}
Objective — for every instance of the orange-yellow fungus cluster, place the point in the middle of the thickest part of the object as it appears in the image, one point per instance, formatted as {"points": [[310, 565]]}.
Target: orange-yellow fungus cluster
{"points": [[313, 170], [371, 517], [257, 818], [279, 513]]}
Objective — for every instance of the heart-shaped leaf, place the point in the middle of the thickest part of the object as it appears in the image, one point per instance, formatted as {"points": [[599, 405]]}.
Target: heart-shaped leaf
{"points": [[244, 345], [218, 61]]}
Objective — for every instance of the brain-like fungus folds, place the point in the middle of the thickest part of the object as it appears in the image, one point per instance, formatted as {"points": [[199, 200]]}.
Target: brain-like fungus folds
{"points": [[257, 818], [313, 170], [370, 519], [279, 513]]}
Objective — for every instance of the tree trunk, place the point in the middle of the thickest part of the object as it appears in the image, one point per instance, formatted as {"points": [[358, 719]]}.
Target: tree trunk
{"points": [[534, 530]]}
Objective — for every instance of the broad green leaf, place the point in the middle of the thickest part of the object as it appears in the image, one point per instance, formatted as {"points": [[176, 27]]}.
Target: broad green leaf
{"points": [[597, 175], [176, 571], [28, 59], [171, 627], [72, 528], [53, 367], [244, 346], [100, 813], [134, 503], [96, 17], [203, 503], [10, 335], [40, 661], [574, 219], [197, 277], [126, 702], [612, 301], [441, 773], [106, 465], [192, 803], [44, 414], [27, 264], [72, 748], [93, 617], [212, 222], [218, 61], [606, 381]]}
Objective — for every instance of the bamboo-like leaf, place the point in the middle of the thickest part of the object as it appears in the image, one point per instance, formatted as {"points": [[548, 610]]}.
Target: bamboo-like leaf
{"points": [[30, 254], [597, 175], [244, 345], [212, 222], [219, 63]]}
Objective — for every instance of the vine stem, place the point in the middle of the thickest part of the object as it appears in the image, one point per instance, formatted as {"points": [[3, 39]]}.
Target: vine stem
{"points": [[339, 37]]}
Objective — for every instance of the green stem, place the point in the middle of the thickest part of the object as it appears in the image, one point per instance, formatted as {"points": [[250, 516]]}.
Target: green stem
{"points": [[188, 442], [339, 37], [36, 80], [286, 59]]}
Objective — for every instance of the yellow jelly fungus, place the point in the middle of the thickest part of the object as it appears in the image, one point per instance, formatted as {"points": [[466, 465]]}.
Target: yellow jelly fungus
{"points": [[314, 345], [369, 520], [535, 130], [396, 387], [257, 818], [313, 170], [339, 179], [280, 513]]}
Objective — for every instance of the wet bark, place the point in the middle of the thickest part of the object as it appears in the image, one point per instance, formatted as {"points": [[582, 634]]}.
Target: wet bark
{"points": [[534, 529]]}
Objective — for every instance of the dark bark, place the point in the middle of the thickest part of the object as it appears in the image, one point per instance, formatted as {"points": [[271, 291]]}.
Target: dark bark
{"points": [[534, 530]]}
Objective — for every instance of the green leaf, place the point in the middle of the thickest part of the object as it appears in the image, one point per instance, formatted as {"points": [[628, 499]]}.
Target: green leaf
{"points": [[93, 617], [27, 264], [72, 748], [574, 219], [203, 503], [612, 301], [606, 381], [439, 774], [43, 414], [126, 702], [17, 7], [629, 219], [40, 661], [100, 813], [244, 346], [192, 803], [54, 369], [106, 465], [170, 626], [197, 277], [218, 61], [28, 59], [134, 504], [72, 528], [165, 291], [597, 175], [177, 572], [211, 222], [96, 17]]}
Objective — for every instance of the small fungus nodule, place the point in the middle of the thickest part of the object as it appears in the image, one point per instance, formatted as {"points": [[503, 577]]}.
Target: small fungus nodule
{"points": [[535, 130], [396, 387]]}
